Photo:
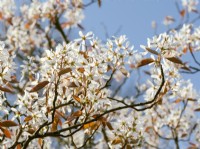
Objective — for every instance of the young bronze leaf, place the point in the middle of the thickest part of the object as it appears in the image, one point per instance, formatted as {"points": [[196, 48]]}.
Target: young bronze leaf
{"points": [[14, 79], [64, 71], [128, 146], [116, 141], [40, 142], [175, 60], [81, 70], [77, 113], [124, 71], [185, 68], [177, 100], [28, 118], [197, 110], [8, 123], [66, 24], [151, 51], [19, 146], [74, 116], [191, 99], [91, 125], [182, 13], [4, 89], [76, 98], [39, 86], [184, 135], [31, 130], [71, 84], [99, 3], [55, 124], [109, 126], [148, 129], [70, 119], [6, 132], [145, 62]]}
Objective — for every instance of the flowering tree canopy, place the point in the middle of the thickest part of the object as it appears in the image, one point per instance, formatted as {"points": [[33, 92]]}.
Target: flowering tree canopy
{"points": [[64, 93]]}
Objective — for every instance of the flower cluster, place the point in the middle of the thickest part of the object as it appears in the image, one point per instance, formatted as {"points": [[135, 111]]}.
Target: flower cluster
{"points": [[7, 65], [71, 91], [35, 22]]}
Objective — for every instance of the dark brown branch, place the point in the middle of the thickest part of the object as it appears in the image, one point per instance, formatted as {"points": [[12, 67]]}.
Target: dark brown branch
{"points": [[59, 28], [108, 81], [90, 3]]}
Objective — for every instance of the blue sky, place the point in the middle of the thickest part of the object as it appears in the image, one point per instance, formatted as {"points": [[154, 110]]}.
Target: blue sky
{"points": [[134, 18]]}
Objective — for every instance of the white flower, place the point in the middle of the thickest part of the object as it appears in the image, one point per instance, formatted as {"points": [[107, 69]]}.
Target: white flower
{"points": [[191, 5]]}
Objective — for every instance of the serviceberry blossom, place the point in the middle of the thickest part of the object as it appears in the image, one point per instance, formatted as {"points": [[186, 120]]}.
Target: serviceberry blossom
{"points": [[58, 92], [190, 5]]}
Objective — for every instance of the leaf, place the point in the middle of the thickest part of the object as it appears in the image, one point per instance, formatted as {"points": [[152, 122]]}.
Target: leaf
{"points": [[4, 89], [109, 68], [66, 24], [128, 146], [160, 101], [6, 132], [77, 113], [91, 125], [124, 72], [99, 3], [31, 130], [76, 98], [185, 50], [177, 100], [147, 72], [182, 13], [80, 26], [64, 71], [116, 141], [190, 48], [8, 123], [14, 79], [19, 146], [195, 10], [192, 146], [197, 110], [28, 118], [175, 60], [55, 124], [148, 129], [145, 62], [81, 70], [73, 116], [134, 141], [39, 86], [61, 114], [185, 68], [109, 126], [191, 99], [68, 83], [1, 15], [27, 25], [184, 135], [151, 51], [71, 84], [40, 142], [69, 119]]}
